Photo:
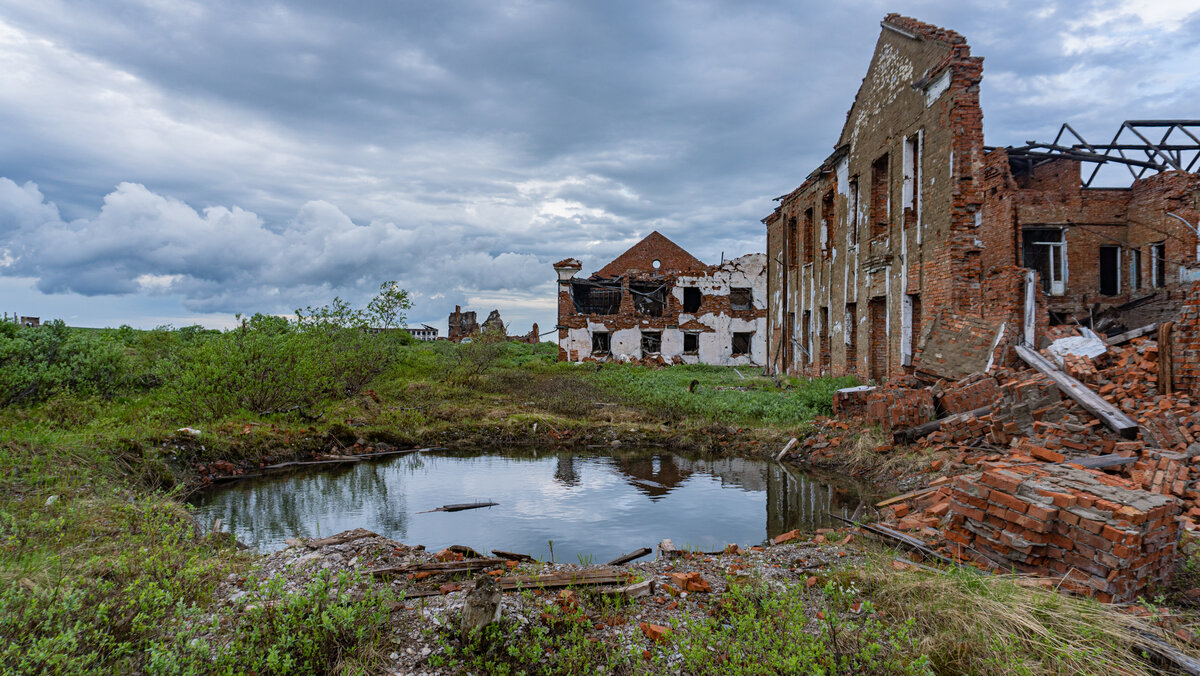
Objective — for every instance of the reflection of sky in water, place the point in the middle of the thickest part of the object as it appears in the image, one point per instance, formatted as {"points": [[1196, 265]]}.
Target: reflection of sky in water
{"points": [[591, 505]]}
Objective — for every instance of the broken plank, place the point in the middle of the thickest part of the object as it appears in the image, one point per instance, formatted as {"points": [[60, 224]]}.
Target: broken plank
{"points": [[458, 507], [466, 565], [1101, 461], [1131, 334], [632, 591], [909, 434], [1084, 396], [512, 556], [911, 494], [632, 556], [564, 579]]}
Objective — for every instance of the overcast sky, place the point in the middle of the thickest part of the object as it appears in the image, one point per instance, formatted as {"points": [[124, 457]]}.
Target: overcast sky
{"points": [[178, 161]]}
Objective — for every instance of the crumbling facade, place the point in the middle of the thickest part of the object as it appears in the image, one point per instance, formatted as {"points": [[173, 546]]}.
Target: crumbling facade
{"points": [[464, 325], [912, 227], [656, 303]]}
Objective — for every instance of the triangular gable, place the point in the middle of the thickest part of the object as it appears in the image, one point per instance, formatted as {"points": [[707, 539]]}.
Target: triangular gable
{"points": [[881, 74], [641, 256]]}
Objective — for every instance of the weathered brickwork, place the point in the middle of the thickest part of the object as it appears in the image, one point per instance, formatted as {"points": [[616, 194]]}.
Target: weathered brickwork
{"points": [[1100, 533], [656, 303], [924, 220]]}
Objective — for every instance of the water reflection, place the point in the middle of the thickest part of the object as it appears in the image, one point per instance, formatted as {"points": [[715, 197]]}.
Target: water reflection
{"points": [[588, 505]]}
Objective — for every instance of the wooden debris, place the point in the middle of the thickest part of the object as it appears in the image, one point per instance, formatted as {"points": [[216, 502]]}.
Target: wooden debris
{"points": [[900, 498], [464, 566], [461, 506], [668, 550], [910, 434], [512, 556], [341, 538], [466, 551], [632, 591], [632, 556], [1131, 334], [1085, 397], [569, 578]]}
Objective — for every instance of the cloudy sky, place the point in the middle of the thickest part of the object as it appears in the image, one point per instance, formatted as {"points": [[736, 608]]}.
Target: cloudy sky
{"points": [[178, 161]]}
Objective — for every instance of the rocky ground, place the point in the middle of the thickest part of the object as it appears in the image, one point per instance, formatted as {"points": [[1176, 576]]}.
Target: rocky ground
{"points": [[665, 588]]}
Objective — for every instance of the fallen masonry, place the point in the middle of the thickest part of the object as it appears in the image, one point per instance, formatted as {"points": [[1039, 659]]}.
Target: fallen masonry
{"points": [[1023, 478]]}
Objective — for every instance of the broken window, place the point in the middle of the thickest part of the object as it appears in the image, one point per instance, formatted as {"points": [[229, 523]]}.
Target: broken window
{"points": [[691, 343], [851, 336], [807, 241], [827, 217], [596, 297], [879, 196], [1135, 269], [1042, 249], [806, 336], [791, 238], [651, 342], [823, 317], [741, 298], [601, 342], [1158, 264], [852, 211], [691, 298], [912, 174], [741, 343], [1110, 270], [649, 299]]}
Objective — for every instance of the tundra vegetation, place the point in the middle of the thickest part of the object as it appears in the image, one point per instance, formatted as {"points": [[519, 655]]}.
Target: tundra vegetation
{"points": [[103, 569]]}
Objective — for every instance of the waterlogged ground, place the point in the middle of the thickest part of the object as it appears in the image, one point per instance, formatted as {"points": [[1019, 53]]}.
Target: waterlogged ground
{"points": [[588, 507]]}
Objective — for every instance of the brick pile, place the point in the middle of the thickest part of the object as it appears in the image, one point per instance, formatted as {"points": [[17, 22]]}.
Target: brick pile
{"points": [[900, 407], [974, 391], [851, 403], [1102, 535]]}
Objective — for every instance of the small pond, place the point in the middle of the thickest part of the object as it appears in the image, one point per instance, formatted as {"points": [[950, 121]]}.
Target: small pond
{"points": [[591, 507]]}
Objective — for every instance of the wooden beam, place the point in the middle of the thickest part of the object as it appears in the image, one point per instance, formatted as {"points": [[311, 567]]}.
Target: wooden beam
{"points": [[913, 433], [464, 566], [1166, 369], [632, 556], [1085, 397], [1131, 334], [568, 578]]}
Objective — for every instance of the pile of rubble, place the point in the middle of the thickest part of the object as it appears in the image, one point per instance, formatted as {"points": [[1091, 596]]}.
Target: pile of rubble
{"points": [[1032, 480]]}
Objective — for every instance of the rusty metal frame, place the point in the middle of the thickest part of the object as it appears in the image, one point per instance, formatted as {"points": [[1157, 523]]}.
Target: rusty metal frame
{"points": [[1177, 149]]}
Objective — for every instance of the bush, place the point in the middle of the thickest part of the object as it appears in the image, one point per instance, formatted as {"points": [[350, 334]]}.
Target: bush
{"points": [[38, 362]]}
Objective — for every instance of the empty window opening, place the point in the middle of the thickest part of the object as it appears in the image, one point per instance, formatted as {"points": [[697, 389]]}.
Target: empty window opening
{"points": [[1043, 250], [806, 336], [691, 343], [852, 211], [879, 196], [1158, 264], [1135, 269], [879, 343], [601, 342], [851, 335], [912, 176], [649, 299], [1110, 270], [741, 343], [807, 240], [827, 219], [916, 322], [789, 342], [596, 298], [651, 342], [791, 239], [691, 298], [824, 329], [741, 298]]}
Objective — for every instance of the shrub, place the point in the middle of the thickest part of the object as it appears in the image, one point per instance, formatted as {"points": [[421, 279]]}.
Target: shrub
{"points": [[40, 361]]}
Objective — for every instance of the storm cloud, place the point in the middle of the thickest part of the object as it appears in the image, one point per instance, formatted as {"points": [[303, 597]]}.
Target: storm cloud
{"points": [[228, 156]]}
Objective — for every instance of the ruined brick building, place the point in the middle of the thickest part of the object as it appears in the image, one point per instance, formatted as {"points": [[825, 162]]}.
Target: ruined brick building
{"points": [[913, 233], [657, 303]]}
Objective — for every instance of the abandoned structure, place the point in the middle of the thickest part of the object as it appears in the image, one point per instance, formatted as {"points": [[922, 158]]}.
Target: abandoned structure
{"points": [[464, 324], [657, 303], [23, 320], [913, 234], [423, 332]]}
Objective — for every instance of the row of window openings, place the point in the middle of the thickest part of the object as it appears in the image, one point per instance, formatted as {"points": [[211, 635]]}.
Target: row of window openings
{"points": [[652, 343], [648, 300], [1045, 251], [878, 213]]}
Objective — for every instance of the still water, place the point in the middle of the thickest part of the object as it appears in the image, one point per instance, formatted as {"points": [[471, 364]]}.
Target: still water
{"points": [[588, 507]]}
